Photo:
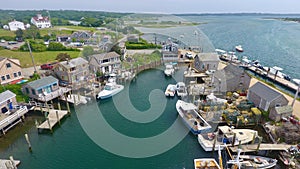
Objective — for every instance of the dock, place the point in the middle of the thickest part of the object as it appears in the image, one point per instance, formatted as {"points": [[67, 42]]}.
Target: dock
{"points": [[11, 120], [53, 118], [76, 99], [262, 147], [8, 164]]}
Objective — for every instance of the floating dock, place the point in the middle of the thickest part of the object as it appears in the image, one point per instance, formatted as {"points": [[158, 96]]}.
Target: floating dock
{"points": [[53, 118], [76, 99], [8, 164], [261, 147]]}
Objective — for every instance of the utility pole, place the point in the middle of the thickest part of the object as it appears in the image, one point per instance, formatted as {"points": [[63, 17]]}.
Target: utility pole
{"points": [[32, 59]]}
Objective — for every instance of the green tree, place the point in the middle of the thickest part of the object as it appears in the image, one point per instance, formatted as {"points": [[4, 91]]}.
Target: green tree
{"points": [[32, 33], [54, 46], [19, 34], [87, 51], [63, 57]]}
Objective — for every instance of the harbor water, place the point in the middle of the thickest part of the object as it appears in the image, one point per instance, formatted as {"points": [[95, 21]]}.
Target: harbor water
{"points": [[273, 42]]}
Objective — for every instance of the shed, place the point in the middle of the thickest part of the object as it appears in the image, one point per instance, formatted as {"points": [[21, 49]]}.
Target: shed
{"points": [[277, 113], [7, 100], [265, 97]]}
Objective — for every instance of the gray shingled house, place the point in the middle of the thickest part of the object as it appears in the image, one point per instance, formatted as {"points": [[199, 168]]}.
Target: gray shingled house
{"points": [[105, 62], [75, 71], [206, 61], [44, 89], [231, 78], [265, 97], [276, 113]]}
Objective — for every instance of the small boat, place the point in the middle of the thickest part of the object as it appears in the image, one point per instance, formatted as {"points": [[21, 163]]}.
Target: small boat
{"points": [[111, 88], [169, 70], [170, 90], [239, 48], [181, 89], [203, 163], [252, 161], [191, 117], [224, 137]]}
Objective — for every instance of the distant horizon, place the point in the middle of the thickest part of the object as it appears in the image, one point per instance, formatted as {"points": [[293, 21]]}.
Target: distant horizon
{"points": [[162, 7], [206, 13]]}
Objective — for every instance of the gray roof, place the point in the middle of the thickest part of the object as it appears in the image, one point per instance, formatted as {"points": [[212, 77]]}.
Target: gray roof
{"points": [[74, 62], [284, 109], [264, 91], [230, 72], [42, 82], [204, 57], [4, 96], [103, 56]]}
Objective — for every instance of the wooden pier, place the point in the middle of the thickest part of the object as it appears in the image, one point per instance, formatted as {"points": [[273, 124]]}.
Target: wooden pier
{"points": [[261, 147], [52, 119], [8, 164]]}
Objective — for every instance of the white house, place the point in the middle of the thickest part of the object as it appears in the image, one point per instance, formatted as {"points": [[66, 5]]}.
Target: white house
{"points": [[15, 25], [41, 21]]}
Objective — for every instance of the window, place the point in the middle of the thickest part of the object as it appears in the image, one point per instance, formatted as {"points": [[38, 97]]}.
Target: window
{"points": [[33, 91], [27, 90], [40, 91], [15, 75], [7, 76], [19, 73], [3, 78], [8, 65]]}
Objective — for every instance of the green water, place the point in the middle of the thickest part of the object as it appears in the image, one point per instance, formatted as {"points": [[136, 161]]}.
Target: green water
{"points": [[70, 147]]}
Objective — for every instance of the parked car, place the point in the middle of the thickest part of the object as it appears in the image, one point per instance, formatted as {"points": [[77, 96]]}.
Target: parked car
{"points": [[47, 66], [189, 55], [63, 83]]}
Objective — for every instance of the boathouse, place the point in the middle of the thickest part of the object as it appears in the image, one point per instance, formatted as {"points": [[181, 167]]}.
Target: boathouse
{"points": [[206, 61], [7, 100], [44, 89], [264, 97], [232, 78]]}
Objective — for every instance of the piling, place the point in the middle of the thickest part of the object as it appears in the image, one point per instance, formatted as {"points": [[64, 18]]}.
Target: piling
{"points": [[28, 142], [214, 144], [74, 98], [253, 139], [11, 158], [68, 106], [49, 124], [59, 107], [233, 141], [258, 145], [57, 117]]}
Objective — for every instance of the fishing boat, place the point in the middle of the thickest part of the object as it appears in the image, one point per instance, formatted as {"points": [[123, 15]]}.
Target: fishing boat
{"points": [[170, 90], [203, 163], [239, 48], [226, 136], [252, 161], [169, 70], [111, 88], [181, 89], [191, 117]]}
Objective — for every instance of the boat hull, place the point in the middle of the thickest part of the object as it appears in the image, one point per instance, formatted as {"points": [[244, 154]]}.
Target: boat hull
{"points": [[106, 95]]}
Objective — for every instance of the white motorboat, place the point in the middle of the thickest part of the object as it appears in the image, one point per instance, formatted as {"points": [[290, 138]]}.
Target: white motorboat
{"points": [[225, 137], [239, 48], [111, 88], [170, 90], [252, 161], [191, 117], [203, 163], [181, 89], [169, 70]]}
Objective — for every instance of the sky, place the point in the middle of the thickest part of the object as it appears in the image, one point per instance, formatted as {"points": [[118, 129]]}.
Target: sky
{"points": [[160, 6]]}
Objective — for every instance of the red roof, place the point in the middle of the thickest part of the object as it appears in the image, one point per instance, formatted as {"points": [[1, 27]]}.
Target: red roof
{"points": [[41, 18]]}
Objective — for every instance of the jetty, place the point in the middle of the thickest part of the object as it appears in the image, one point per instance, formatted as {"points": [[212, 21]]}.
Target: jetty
{"points": [[260, 147], [53, 118], [9, 164], [9, 121]]}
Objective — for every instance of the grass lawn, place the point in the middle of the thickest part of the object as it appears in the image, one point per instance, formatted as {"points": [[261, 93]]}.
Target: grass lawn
{"points": [[39, 57], [142, 59], [7, 33], [65, 30]]}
